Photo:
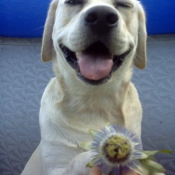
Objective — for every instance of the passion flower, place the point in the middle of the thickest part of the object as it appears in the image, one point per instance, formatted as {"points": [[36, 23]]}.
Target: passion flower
{"points": [[115, 149]]}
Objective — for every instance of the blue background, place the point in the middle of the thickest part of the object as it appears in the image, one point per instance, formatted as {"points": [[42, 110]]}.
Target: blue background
{"points": [[25, 18]]}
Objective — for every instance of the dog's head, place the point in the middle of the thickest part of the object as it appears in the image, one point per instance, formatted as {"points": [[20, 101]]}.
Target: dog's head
{"points": [[95, 39]]}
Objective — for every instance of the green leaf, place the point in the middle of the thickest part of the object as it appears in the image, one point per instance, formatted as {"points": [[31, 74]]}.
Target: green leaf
{"points": [[89, 165], [152, 166], [85, 145], [140, 170], [156, 165], [92, 163], [150, 158], [166, 151], [152, 153], [107, 126], [93, 132], [143, 156]]}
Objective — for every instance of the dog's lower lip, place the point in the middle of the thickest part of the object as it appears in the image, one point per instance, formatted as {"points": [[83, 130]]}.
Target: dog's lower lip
{"points": [[94, 82], [71, 58]]}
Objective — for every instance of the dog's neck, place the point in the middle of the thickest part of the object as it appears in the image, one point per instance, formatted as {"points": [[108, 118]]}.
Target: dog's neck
{"points": [[86, 103]]}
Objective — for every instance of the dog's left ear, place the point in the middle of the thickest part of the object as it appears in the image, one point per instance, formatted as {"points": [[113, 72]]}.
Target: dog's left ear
{"points": [[47, 43], [140, 57]]}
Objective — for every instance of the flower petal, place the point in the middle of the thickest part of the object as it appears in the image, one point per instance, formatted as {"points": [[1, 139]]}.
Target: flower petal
{"points": [[105, 169], [116, 171]]}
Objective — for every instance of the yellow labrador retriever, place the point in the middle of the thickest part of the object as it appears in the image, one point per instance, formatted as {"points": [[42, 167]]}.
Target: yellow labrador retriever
{"points": [[93, 45]]}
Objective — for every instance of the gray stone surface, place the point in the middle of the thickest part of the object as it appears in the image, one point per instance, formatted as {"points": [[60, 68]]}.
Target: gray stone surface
{"points": [[23, 77]]}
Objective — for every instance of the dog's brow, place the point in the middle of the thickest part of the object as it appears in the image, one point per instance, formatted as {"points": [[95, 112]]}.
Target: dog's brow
{"points": [[78, 0], [124, 1]]}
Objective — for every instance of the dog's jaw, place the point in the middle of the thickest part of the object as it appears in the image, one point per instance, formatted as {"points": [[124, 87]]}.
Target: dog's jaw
{"points": [[113, 62]]}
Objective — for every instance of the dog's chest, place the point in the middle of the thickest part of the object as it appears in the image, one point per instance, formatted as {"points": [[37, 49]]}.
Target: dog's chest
{"points": [[92, 112], [73, 115]]}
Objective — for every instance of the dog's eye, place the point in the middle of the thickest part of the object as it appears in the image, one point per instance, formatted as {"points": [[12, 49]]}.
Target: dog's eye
{"points": [[124, 5], [73, 2]]}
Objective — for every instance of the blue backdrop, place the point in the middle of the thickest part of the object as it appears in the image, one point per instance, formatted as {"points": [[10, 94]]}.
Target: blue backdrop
{"points": [[25, 18]]}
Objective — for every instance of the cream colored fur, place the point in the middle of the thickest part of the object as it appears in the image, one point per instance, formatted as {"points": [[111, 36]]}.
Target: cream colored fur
{"points": [[70, 107]]}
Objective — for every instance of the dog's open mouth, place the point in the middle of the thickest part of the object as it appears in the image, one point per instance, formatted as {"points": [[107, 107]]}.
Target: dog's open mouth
{"points": [[95, 64]]}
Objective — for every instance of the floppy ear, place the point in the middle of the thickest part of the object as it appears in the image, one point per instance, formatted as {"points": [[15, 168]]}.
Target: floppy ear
{"points": [[47, 43], [140, 57]]}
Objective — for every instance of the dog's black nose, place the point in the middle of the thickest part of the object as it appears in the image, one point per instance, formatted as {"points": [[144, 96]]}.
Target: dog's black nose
{"points": [[101, 19]]}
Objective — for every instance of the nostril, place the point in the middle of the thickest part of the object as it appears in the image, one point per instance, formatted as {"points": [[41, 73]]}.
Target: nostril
{"points": [[91, 18], [100, 19], [111, 18]]}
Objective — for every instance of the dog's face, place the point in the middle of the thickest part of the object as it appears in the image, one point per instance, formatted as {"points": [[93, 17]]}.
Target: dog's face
{"points": [[96, 38]]}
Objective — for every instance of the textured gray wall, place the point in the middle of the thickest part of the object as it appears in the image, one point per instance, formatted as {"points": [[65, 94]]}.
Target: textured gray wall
{"points": [[23, 77]]}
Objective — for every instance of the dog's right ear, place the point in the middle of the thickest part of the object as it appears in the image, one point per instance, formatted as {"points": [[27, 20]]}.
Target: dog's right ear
{"points": [[47, 43]]}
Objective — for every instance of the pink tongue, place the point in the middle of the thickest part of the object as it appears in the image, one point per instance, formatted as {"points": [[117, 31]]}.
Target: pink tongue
{"points": [[95, 66]]}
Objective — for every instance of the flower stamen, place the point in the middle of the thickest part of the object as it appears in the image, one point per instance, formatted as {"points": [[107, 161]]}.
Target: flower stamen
{"points": [[116, 149]]}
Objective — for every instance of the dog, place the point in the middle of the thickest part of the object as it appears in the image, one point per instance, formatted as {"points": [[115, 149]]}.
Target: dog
{"points": [[93, 45]]}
